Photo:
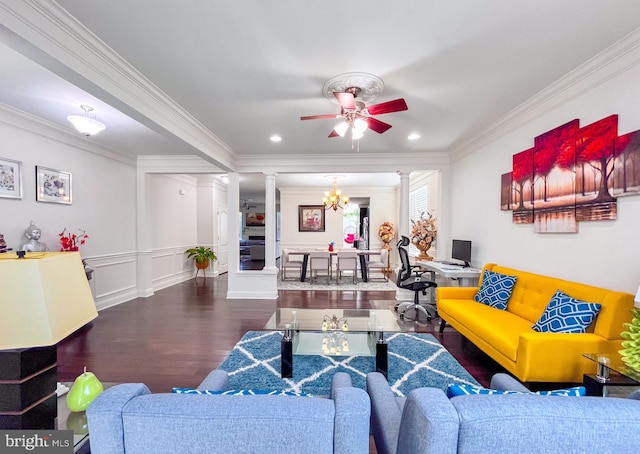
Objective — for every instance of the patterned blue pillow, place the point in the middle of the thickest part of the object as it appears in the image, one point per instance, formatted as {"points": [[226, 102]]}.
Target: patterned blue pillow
{"points": [[240, 392], [566, 315], [495, 290], [468, 390]]}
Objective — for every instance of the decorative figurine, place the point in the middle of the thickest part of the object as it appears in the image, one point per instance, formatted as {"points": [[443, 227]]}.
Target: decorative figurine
{"points": [[3, 244], [33, 234]]}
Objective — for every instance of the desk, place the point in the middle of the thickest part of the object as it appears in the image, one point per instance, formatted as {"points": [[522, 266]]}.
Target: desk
{"points": [[361, 253], [466, 277]]}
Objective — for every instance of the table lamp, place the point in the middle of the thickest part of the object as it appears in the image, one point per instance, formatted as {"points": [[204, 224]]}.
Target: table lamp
{"points": [[44, 298]]}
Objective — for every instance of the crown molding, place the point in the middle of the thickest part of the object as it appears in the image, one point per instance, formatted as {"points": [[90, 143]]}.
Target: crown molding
{"points": [[176, 164], [30, 124], [354, 162], [604, 66], [56, 40]]}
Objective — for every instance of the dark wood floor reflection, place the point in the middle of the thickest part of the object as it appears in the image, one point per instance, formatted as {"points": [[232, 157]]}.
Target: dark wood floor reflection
{"points": [[178, 335]]}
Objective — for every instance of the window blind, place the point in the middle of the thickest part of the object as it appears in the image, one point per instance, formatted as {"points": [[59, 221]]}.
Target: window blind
{"points": [[418, 204]]}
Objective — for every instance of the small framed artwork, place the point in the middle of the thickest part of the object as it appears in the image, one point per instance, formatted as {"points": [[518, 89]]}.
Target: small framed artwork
{"points": [[53, 185], [310, 218], [10, 179], [255, 219]]}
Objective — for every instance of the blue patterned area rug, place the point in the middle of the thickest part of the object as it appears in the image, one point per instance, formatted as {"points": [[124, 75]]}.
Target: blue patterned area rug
{"points": [[415, 361]]}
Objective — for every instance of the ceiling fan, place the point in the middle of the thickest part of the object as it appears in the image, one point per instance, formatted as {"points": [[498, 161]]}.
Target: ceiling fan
{"points": [[357, 116], [245, 204]]}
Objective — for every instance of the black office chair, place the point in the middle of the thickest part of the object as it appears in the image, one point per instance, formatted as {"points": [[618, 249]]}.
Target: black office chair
{"points": [[410, 278]]}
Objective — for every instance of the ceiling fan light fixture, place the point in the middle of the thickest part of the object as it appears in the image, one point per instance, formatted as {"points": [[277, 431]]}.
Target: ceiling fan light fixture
{"points": [[86, 125], [356, 134], [360, 125], [341, 129]]}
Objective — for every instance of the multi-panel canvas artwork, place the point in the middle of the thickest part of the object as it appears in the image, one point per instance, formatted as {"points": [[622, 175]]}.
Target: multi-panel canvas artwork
{"points": [[572, 174]]}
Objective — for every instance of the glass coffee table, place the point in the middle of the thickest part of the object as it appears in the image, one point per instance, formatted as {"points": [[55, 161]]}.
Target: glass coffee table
{"points": [[612, 371], [334, 332]]}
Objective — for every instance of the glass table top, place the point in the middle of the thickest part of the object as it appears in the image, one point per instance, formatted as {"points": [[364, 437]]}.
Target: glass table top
{"points": [[615, 363], [357, 320]]}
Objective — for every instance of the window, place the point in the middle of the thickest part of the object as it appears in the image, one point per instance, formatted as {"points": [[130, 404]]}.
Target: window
{"points": [[417, 205]]}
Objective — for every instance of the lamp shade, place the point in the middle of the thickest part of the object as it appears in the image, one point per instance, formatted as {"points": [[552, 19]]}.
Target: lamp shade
{"points": [[44, 298], [85, 125]]}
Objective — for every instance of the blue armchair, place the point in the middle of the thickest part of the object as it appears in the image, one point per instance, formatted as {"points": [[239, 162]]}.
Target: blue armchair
{"points": [[429, 422], [129, 419]]}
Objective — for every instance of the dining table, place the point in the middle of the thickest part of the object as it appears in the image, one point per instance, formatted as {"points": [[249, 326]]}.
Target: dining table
{"points": [[363, 255]]}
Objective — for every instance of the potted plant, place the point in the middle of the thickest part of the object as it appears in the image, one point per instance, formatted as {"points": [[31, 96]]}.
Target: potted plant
{"points": [[202, 256]]}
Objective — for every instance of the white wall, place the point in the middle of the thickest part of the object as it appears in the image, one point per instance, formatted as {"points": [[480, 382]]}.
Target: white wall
{"points": [[103, 191], [602, 253], [172, 217]]}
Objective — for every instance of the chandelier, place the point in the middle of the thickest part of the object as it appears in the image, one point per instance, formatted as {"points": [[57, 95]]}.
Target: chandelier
{"points": [[333, 198], [86, 124]]}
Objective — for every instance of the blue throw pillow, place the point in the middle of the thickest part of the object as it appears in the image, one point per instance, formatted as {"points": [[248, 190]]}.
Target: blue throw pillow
{"points": [[495, 290], [468, 390], [240, 392], [566, 315]]}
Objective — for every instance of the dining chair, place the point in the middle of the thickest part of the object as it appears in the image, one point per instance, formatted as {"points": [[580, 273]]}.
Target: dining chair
{"points": [[347, 261], [290, 262], [379, 264], [320, 265]]}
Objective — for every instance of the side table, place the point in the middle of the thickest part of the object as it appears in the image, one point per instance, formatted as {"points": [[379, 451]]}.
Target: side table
{"points": [[76, 421], [615, 373]]}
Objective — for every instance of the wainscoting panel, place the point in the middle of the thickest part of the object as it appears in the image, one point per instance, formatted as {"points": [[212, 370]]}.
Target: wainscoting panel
{"points": [[114, 279], [171, 266]]}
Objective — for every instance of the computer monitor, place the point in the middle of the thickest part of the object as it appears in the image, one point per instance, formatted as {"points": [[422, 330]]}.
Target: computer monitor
{"points": [[461, 250]]}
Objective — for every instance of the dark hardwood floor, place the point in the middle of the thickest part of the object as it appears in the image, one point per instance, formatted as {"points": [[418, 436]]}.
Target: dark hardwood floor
{"points": [[178, 335]]}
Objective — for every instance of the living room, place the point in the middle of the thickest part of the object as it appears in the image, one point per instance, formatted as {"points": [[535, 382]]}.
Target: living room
{"points": [[143, 210]]}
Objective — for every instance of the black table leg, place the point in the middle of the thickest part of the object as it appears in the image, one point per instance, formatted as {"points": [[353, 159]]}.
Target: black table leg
{"points": [[286, 357], [363, 268], [382, 354], [303, 272]]}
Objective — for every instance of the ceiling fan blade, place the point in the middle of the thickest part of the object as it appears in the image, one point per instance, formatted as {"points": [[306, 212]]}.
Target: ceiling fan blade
{"points": [[316, 117], [387, 107], [334, 133], [377, 125], [346, 100]]}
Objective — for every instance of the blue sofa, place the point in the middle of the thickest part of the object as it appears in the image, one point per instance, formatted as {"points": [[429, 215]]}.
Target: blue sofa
{"points": [[426, 421], [127, 418]]}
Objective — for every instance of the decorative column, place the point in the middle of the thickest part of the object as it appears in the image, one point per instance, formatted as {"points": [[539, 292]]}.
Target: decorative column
{"points": [[403, 221], [270, 223]]}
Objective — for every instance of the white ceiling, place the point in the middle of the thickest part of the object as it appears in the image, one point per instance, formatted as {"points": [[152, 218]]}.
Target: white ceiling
{"points": [[245, 70]]}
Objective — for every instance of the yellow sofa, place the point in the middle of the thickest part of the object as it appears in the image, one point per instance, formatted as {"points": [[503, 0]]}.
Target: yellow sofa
{"points": [[507, 336]]}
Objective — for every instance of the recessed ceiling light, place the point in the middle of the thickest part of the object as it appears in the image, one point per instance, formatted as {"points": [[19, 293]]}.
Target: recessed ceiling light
{"points": [[414, 136], [275, 138]]}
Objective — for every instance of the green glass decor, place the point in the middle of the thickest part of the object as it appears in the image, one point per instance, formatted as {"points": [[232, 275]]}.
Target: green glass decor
{"points": [[631, 343], [84, 390]]}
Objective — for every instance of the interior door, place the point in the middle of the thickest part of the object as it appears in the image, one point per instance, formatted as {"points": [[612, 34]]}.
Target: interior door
{"points": [[223, 239]]}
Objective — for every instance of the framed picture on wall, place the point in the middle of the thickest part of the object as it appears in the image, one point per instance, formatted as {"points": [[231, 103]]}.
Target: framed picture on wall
{"points": [[255, 219], [53, 185], [10, 179], [310, 218]]}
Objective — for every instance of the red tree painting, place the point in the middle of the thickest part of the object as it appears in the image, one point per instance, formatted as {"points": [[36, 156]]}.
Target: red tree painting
{"points": [[626, 171], [554, 182], [522, 177], [574, 174], [594, 158]]}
